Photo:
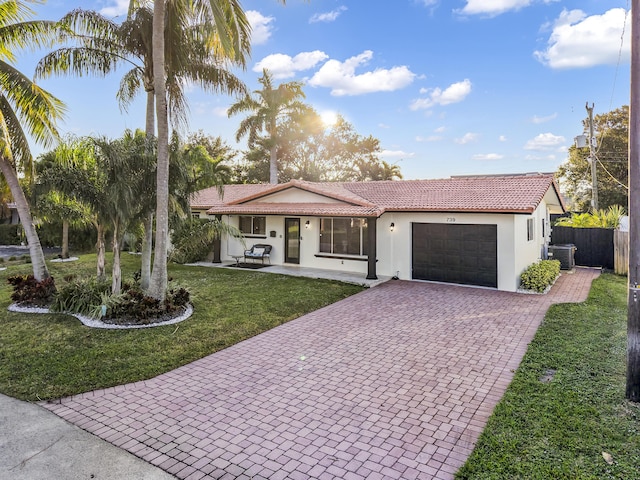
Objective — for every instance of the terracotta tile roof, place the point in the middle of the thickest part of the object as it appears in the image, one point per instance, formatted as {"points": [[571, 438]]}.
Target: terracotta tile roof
{"points": [[497, 194], [209, 197], [308, 209]]}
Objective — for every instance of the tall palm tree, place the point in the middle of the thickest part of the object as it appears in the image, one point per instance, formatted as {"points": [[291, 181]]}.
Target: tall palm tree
{"points": [[25, 109], [191, 53], [231, 42], [269, 108]]}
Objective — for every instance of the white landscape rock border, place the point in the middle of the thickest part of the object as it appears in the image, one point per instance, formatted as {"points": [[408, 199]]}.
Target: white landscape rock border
{"points": [[70, 259], [94, 323]]}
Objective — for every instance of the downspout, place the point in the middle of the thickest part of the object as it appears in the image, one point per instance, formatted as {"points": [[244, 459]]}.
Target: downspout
{"points": [[371, 264]]}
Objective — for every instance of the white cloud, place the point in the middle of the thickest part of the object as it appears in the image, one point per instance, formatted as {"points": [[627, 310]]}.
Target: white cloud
{"points": [[284, 66], [467, 138], [545, 141], [384, 125], [492, 7], [579, 41], [502, 138], [488, 156], [454, 93], [550, 157], [115, 8], [261, 27], [430, 138], [440, 129], [220, 111], [538, 120], [342, 79], [328, 16], [396, 154]]}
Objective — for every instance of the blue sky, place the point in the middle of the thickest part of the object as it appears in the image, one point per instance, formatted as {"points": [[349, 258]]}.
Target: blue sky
{"points": [[449, 87]]}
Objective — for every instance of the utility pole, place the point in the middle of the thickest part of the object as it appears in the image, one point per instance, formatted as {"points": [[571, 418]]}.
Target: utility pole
{"points": [[592, 161], [633, 302]]}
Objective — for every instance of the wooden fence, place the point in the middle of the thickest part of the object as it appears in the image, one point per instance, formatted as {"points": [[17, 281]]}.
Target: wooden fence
{"points": [[594, 245], [621, 252]]}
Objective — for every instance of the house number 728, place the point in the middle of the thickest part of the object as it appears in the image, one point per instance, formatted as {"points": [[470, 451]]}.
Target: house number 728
{"points": [[451, 220]]}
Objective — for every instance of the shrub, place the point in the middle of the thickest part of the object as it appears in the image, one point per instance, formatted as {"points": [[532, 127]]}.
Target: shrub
{"points": [[538, 276], [27, 291], [81, 296], [133, 307], [9, 234], [192, 241]]}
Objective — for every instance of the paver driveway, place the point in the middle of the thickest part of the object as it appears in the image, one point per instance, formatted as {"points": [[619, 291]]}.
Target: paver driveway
{"points": [[395, 382]]}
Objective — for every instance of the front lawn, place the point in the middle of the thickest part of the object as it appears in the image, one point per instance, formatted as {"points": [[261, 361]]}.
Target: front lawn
{"points": [[51, 356], [565, 427]]}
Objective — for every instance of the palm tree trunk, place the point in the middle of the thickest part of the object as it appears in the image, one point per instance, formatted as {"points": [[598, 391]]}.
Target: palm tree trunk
{"points": [[40, 271], [65, 238], [116, 273], [100, 247], [158, 283], [147, 244], [147, 240], [273, 166]]}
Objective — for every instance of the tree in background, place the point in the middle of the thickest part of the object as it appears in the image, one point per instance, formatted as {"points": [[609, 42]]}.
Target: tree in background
{"points": [[310, 150], [25, 110], [210, 160], [268, 109], [611, 133]]}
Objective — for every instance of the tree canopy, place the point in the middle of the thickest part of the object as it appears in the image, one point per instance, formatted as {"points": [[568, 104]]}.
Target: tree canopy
{"points": [[611, 151]]}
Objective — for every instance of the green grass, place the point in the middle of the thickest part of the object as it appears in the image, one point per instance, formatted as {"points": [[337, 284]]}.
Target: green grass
{"points": [[51, 356], [559, 430]]}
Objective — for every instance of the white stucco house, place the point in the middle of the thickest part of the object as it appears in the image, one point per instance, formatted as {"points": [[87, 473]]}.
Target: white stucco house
{"points": [[472, 230]]}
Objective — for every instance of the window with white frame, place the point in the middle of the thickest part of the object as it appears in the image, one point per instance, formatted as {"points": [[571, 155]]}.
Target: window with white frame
{"points": [[344, 236], [530, 229], [250, 225]]}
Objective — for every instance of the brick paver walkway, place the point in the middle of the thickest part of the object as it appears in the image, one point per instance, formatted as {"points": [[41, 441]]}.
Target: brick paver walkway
{"points": [[395, 382]]}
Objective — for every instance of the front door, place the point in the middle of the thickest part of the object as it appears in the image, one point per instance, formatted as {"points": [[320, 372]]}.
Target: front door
{"points": [[292, 240]]}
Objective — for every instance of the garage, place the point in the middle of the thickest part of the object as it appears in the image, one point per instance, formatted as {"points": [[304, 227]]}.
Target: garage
{"points": [[455, 253]]}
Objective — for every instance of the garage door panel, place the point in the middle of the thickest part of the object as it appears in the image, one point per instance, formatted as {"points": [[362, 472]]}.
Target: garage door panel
{"points": [[460, 253]]}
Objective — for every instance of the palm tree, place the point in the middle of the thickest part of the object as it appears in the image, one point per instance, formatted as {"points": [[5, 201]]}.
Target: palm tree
{"points": [[25, 109], [121, 200], [71, 170], [231, 42], [269, 107], [193, 54]]}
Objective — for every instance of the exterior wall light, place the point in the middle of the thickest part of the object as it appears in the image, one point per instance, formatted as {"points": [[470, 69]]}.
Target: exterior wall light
{"points": [[392, 226]]}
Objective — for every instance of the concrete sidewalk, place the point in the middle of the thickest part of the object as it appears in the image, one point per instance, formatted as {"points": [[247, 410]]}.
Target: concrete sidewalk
{"points": [[35, 444]]}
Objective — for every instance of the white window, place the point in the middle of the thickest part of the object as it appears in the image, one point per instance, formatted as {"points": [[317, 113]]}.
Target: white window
{"points": [[252, 225], [530, 229], [344, 236]]}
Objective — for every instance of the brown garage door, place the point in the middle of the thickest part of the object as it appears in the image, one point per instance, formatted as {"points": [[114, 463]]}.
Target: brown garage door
{"points": [[455, 253]]}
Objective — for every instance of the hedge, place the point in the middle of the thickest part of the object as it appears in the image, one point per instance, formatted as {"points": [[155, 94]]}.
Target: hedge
{"points": [[538, 276]]}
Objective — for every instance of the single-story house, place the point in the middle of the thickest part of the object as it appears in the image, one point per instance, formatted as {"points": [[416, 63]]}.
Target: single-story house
{"points": [[472, 230]]}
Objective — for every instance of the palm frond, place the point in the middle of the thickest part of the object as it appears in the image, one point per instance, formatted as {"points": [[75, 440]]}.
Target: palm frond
{"points": [[36, 108]]}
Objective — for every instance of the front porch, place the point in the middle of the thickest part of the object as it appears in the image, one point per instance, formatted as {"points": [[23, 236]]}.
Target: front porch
{"points": [[296, 271]]}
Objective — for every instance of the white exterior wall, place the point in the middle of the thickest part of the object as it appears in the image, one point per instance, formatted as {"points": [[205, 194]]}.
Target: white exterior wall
{"points": [[309, 245], [394, 249], [528, 252]]}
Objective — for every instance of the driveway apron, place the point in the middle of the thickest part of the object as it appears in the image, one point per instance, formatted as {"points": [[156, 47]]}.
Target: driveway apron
{"points": [[395, 382]]}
